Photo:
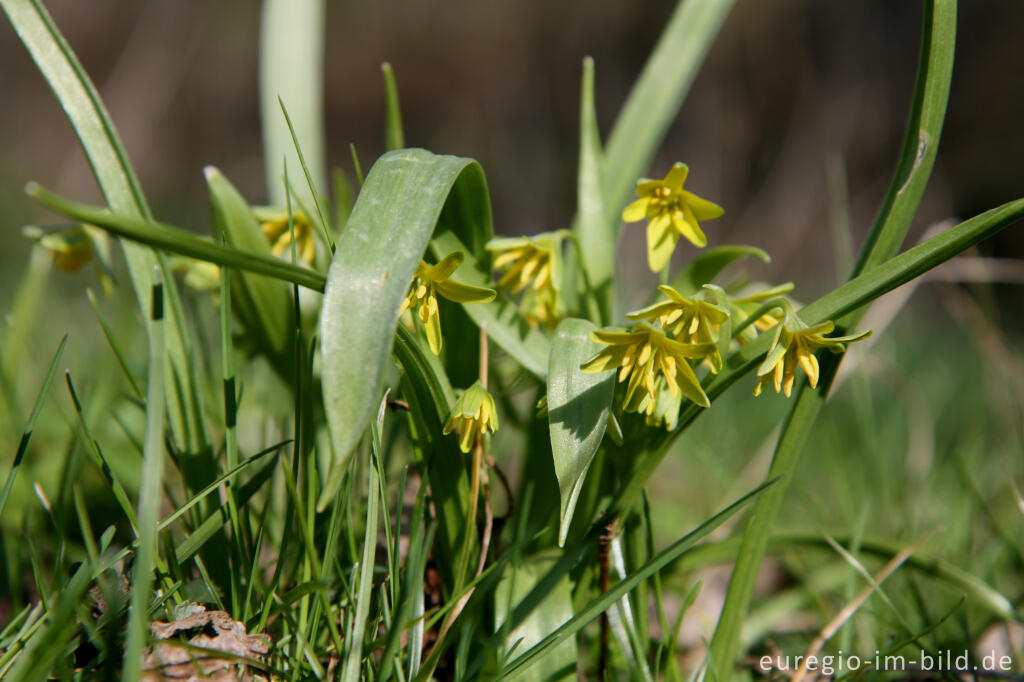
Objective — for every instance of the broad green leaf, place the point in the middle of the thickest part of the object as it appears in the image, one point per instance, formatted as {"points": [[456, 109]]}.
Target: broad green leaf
{"points": [[559, 663], [578, 407], [709, 263], [595, 232], [263, 305], [291, 71], [505, 327], [655, 99], [394, 137], [177, 240], [387, 233]]}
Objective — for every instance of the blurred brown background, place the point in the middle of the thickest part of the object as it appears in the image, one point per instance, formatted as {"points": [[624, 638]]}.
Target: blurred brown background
{"points": [[792, 93]]}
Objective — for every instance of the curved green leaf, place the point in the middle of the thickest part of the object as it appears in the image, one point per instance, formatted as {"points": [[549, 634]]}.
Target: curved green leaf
{"points": [[578, 407], [709, 263], [387, 233], [176, 240], [263, 304], [394, 137]]}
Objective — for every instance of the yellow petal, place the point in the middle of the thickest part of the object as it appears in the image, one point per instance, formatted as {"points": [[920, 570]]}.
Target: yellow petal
{"points": [[677, 176], [684, 222], [448, 265], [464, 293], [432, 325], [661, 242], [702, 208], [636, 210], [810, 365]]}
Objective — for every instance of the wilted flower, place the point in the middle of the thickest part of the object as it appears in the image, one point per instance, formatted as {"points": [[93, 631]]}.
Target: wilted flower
{"points": [[430, 280], [688, 320], [472, 416], [671, 212], [274, 224], [794, 345], [532, 264], [643, 355]]}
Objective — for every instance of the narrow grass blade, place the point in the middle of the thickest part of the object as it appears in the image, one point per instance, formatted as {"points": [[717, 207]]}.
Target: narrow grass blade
{"points": [[387, 234], [177, 240], [320, 219], [149, 492], [592, 610], [26, 434], [114, 345], [655, 99], [394, 136], [595, 232], [354, 643], [291, 70], [578, 408]]}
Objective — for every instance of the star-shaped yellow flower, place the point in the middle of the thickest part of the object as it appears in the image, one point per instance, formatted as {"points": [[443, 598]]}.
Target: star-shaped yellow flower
{"points": [[643, 355], [688, 320], [531, 264], [671, 212], [431, 280], [274, 224], [472, 416], [794, 345]]}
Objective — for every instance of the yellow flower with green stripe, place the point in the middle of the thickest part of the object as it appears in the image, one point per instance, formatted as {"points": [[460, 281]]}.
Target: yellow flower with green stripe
{"points": [[533, 265], [794, 346], [431, 280], [274, 225], [671, 212], [644, 354], [687, 320], [472, 416]]}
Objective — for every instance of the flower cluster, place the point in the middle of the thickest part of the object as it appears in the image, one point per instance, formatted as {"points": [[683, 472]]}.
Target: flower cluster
{"points": [[431, 280], [793, 346], [531, 265], [472, 416]]}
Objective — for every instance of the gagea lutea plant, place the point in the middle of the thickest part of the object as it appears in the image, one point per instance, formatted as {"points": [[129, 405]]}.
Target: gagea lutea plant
{"points": [[377, 536]]}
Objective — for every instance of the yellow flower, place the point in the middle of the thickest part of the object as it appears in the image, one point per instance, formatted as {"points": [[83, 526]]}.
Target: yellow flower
{"points": [[671, 211], [472, 416], [688, 320], [745, 306], [71, 247], [274, 224], [645, 354], [794, 345], [431, 280], [532, 264]]}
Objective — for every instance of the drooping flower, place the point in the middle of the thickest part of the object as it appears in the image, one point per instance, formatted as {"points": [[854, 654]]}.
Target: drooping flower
{"points": [[431, 280], [532, 264], [644, 354], [687, 320], [794, 345], [472, 416], [671, 212], [274, 225]]}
